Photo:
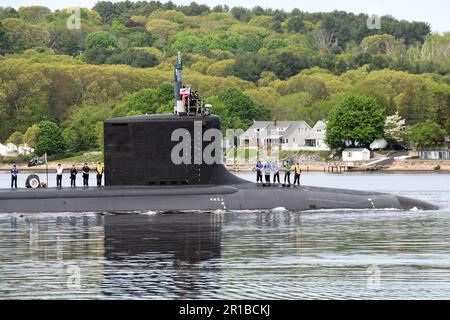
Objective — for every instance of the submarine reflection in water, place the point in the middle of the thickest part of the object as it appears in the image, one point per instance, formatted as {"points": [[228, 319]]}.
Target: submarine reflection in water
{"points": [[170, 255]]}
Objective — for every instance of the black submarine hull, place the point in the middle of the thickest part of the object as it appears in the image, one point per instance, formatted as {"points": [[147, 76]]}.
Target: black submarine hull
{"points": [[245, 196]]}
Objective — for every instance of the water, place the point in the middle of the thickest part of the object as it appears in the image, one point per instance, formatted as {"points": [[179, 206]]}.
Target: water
{"points": [[344, 254]]}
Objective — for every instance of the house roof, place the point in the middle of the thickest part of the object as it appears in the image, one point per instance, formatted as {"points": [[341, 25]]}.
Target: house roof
{"points": [[317, 132], [356, 150], [270, 128]]}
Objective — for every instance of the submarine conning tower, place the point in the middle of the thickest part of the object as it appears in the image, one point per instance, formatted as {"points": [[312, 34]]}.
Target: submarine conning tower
{"points": [[138, 149]]}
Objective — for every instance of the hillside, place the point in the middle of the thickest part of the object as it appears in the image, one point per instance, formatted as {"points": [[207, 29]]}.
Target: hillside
{"points": [[284, 65]]}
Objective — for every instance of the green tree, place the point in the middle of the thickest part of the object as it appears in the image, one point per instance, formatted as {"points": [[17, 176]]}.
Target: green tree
{"points": [[21, 35], [34, 14], [16, 138], [357, 119], [296, 24], [248, 67], [286, 64], [146, 101], [132, 57], [82, 132], [31, 135], [238, 110], [50, 139], [3, 44], [100, 40], [427, 133], [241, 14]]}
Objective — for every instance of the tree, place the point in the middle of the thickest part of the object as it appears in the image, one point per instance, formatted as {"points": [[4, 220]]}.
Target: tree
{"points": [[187, 42], [286, 64], [222, 68], [296, 24], [162, 28], [21, 35], [100, 40], [16, 138], [132, 57], [81, 132], [357, 119], [140, 39], [146, 101], [107, 10], [241, 14], [3, 43], [248, 67], [238, 110], [394, 129], [31, 135], [34, 14], [413, 104], [50, 139], [427, 133]]}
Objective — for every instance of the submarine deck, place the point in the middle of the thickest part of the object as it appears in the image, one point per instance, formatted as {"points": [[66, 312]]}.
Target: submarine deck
{"points": [[111, 191], [245, 196]]}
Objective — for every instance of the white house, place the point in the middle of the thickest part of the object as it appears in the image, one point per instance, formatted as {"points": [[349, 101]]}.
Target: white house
{"points": [[316, 137], [361, 154], [287, 135], [12, 150]]}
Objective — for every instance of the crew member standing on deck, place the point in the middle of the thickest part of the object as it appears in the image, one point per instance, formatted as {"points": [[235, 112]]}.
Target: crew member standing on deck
{"points": [[276, 172], [287, 172], [99, 171], [86, 170], [59, 174], [267, 168], [298, 173], [14, 173], [259, 168], [73, 176]]}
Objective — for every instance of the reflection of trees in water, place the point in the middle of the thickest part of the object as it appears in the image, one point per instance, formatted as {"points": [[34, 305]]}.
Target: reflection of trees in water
{"points": [[162, 255]]}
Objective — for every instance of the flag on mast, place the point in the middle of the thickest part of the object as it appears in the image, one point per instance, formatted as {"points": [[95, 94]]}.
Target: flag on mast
{"points": [[37, 161]]}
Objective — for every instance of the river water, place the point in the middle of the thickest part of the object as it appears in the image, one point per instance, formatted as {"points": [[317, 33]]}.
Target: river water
{"points": [[383, 254]]}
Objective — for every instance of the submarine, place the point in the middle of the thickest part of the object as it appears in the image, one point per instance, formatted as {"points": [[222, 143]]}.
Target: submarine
{"points": [[147, 170]]}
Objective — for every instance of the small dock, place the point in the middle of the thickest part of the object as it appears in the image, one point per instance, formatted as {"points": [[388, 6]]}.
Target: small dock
{"points": [[337, 168]]}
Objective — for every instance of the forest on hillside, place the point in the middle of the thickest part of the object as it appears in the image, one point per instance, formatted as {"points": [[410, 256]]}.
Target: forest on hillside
{"points": [[251, 64]]}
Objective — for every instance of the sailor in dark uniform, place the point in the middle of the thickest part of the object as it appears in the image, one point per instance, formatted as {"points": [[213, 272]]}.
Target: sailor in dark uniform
{"points": [[14, 173], [86, 170], [73, 176]]}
